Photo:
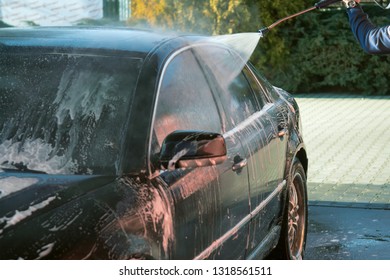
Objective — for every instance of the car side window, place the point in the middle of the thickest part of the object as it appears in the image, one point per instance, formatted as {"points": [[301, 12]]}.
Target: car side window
{"points": [[265, 86], [257, 87], [185, 100], [239, 100], [234, 90]]}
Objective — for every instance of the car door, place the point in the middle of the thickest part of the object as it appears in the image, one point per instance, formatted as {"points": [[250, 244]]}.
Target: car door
{"points": [[208, 202], [268, 167], [254, 120]]}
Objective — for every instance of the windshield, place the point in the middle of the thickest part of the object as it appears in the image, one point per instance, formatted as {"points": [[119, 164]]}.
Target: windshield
{"points": [[64, 113]]}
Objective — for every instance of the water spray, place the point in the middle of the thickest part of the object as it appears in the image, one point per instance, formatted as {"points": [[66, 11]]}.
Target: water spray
{"points": [[319, 5], [245, 43]]}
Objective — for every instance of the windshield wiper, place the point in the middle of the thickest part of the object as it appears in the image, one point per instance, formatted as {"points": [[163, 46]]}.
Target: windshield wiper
{"points": [[18, 167]]}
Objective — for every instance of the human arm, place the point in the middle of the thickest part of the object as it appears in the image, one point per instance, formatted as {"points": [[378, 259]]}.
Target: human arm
{"points": [[373, 40]]}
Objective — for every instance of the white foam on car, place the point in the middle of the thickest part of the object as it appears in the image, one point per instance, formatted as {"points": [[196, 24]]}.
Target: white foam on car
{"points": [[21, 215], [76, 97], [45, 250], [13, 184], [35, 154]]}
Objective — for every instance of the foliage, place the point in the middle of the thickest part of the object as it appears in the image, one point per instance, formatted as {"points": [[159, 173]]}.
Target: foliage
{"points": [[155, 11], [199, 16], [275, 45], [313, 52], [325, 56]]}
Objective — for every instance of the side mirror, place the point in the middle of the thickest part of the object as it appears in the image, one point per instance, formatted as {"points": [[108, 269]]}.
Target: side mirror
{"points": [[184, 149]]}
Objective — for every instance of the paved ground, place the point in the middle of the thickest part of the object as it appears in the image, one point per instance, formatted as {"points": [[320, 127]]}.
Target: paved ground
{"points": [[348, 144], [339, 233]]}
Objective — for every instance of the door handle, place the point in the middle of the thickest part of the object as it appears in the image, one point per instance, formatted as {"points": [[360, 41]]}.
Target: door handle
{"points": [[282, 132], [240, 165]]}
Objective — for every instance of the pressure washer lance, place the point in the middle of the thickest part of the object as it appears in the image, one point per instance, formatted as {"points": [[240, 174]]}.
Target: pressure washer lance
{"points": [[319, 5]]}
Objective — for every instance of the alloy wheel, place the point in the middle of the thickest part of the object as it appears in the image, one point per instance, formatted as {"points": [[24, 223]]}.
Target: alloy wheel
{"points": [[296, 217]]}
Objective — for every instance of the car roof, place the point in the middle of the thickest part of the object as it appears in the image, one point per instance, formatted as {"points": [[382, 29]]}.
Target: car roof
{"points": [[140, 42]]}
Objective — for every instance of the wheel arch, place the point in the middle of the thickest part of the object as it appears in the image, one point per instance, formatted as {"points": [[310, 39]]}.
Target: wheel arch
{"points": [[302, 156]]}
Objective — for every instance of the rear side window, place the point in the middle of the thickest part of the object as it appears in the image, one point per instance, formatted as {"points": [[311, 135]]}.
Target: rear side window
{"points": [[265, 87], [185, 100], [257, 88], [64, 113], [238, 99]]}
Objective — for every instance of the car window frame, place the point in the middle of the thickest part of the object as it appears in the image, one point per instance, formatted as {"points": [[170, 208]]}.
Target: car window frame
{"points": [[216, 89], [262, 82], [152, 171]]}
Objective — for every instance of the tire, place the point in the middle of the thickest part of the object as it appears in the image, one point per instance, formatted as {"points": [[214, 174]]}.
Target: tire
{"points": [[292, 242]]}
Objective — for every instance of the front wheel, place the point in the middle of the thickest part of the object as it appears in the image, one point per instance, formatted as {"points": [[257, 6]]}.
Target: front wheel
{"points": [[292, 241]]}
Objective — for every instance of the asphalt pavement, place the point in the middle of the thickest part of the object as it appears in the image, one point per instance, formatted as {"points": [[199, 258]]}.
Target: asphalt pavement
{"points": [[344, 233], [348, 144]]}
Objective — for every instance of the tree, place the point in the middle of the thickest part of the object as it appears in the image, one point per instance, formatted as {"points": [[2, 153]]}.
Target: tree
{"points": [[300, 54], [199, 16], [276, 45], [151, 11]]}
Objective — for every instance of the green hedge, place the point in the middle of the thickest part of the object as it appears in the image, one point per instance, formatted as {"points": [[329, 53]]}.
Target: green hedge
{"points": [[321, 54]]}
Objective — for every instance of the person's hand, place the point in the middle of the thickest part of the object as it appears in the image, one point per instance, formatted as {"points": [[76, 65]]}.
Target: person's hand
{"points": [[347, 3]]}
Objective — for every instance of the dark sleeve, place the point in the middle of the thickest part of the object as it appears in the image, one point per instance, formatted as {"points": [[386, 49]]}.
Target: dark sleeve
{"points": [[374, 40]]}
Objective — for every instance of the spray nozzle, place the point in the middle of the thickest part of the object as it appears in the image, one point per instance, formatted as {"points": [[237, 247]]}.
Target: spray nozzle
{"points": [[263, 31], [325, 3]]}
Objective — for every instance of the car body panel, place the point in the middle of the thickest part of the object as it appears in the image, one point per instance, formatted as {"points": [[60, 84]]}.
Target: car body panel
{"points": [[231, 210]]}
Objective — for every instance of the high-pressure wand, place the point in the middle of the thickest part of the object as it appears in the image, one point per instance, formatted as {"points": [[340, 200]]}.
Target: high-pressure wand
{"points": [[319, 5]]}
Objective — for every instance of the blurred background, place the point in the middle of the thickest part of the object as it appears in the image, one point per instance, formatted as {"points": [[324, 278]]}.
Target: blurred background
{"points": [[315, 52]]}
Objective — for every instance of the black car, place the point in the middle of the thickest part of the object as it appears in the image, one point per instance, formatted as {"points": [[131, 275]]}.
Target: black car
{"points": [[134, 144]]}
